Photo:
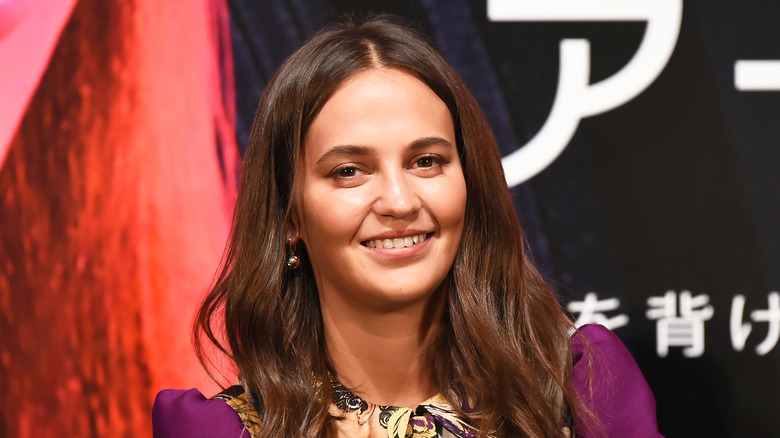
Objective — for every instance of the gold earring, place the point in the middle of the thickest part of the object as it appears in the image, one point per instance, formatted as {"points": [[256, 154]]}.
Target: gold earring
{"points": [[293, 262]]}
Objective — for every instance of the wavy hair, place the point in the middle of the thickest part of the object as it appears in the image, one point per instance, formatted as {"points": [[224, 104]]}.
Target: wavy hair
{"points": [[504, 347]]}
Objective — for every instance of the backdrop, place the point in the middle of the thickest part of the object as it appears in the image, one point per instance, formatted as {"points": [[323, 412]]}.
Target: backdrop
{"points": [[640, 141]]}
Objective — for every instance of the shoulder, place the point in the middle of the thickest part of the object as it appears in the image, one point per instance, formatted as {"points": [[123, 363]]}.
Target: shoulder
{"points": [[179, 413], [609, 381]]}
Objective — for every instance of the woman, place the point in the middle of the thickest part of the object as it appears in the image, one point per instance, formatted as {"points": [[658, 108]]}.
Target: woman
{"points": [[376, 284]]}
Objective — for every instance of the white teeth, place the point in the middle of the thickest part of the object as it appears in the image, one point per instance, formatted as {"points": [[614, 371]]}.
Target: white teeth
{"points": [[399, 242]]}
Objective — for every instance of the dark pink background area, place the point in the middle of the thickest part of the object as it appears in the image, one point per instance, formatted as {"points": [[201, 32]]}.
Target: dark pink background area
{"points": [[115, 203]]}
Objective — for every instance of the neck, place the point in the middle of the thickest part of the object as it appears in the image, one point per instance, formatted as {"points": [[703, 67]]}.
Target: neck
{"points": [[380, 355]]}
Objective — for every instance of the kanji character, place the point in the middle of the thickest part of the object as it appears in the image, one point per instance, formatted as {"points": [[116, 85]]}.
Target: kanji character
{"points": [[685, 330]]}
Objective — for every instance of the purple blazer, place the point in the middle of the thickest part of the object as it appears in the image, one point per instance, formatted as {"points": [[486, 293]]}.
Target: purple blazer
{"points": [[621, 398]]}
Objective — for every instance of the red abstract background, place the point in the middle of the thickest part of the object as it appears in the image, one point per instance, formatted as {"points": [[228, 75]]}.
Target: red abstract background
{"points": [[117, 180]]}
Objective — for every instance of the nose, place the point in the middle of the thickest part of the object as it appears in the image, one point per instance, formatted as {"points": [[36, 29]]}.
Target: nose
{"points": [[397, 195]]}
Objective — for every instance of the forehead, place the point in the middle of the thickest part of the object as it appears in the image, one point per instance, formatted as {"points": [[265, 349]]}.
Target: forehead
{"points": [[376, 106]]}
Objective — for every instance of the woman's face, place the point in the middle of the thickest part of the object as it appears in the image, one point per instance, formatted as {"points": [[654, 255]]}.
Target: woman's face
{"points": [[381, 197]]}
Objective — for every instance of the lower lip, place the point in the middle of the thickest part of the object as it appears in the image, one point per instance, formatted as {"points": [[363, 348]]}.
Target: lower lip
{"points": [[398, 253]]}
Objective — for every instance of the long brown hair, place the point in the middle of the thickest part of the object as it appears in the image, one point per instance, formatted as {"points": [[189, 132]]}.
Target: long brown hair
{"points": [[504, 349]]}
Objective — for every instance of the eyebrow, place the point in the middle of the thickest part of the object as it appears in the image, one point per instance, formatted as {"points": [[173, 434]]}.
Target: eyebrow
{"points": [[344, 150], [430, 141], [349, 149]]}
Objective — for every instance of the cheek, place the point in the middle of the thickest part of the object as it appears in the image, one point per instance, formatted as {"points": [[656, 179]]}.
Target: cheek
{"points": [[448, 204], [328, 217]]}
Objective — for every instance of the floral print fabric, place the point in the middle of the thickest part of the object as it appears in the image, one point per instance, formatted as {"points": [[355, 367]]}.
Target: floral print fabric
{"points": [[433, 418]]}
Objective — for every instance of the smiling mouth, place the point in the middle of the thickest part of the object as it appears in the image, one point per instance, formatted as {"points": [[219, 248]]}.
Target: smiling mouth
{"points": [[398, 242]]}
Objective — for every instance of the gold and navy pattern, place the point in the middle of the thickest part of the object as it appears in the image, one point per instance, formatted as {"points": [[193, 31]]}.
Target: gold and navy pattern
{"points": [[236, 397], [433, 418]]}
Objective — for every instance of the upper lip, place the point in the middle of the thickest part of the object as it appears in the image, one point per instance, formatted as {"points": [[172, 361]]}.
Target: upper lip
{"points": [[396, 235]]}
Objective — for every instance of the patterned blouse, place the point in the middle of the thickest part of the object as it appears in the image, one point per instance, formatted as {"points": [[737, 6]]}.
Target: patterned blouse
{"points": [[433, 418], [621, 399]]}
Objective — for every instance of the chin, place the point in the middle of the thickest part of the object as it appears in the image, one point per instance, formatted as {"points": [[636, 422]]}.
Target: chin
{"points": [[402, 297]]}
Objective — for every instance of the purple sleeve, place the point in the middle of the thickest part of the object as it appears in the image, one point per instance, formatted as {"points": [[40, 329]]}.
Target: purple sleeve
{"points": [[178, 413], [618, 393]]}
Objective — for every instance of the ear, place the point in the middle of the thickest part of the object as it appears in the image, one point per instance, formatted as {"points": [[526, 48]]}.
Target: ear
{"points": [[292, 229], [293, 237]]}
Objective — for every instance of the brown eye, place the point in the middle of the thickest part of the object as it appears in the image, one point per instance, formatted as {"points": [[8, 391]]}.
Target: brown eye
{"points": [[344, 171], [425, 162], [347, 172]]}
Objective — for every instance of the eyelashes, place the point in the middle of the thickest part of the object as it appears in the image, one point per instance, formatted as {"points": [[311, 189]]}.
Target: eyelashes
{"points": [[427, 164], [345, 171], [428, 161]]}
